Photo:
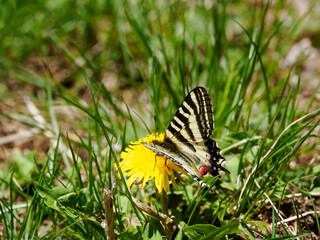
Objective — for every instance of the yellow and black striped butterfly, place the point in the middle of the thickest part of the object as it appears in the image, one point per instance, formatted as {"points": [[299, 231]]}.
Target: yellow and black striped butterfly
{"points": [[188, 142]]}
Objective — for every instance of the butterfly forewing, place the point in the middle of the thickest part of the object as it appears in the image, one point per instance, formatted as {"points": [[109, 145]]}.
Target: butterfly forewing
{"points": [[193, 121]]}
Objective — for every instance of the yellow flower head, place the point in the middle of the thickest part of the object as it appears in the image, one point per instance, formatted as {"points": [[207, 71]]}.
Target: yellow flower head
{"points": [[139, 162]]}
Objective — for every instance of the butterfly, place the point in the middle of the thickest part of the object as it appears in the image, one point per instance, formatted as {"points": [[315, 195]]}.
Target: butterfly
{"points": [[187, 142]]}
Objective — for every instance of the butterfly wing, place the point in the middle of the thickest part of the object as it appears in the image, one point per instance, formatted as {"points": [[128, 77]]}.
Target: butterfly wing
{"points": [[187, 140], [191, 127], [193, 121]]}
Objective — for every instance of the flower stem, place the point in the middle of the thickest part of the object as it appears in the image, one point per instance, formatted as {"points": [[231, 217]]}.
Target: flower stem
{"points": [[164, 201]]}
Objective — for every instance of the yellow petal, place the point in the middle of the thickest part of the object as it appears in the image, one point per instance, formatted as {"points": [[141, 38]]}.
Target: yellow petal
{"points": [[139, 162]]}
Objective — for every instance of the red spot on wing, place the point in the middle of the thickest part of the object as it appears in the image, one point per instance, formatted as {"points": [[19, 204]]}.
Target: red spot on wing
{"points": [[204, 170]]}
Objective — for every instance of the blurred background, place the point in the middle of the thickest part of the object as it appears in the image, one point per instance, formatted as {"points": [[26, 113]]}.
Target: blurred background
{"points": [[133, 61], [119, 43]]}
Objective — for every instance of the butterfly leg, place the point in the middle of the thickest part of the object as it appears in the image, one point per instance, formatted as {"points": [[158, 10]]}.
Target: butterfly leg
{"points": [[165, 163]]}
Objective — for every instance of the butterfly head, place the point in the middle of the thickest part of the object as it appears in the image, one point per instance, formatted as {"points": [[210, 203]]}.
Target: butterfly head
{"points": [[155, 145], [160, 147]]}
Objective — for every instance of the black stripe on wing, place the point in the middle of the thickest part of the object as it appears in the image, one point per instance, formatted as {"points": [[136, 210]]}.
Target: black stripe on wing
{"points": [[193, 121], [205, 114]]}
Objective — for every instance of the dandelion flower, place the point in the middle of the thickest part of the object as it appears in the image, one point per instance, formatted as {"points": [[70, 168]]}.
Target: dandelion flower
{"points": [[139, 162]]}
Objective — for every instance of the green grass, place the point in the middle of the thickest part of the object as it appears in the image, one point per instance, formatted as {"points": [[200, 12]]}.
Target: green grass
{"points": [[99, 75]]}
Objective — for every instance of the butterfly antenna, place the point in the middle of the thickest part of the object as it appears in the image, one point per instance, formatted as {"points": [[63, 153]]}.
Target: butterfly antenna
{"points": [[134, 144]]}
